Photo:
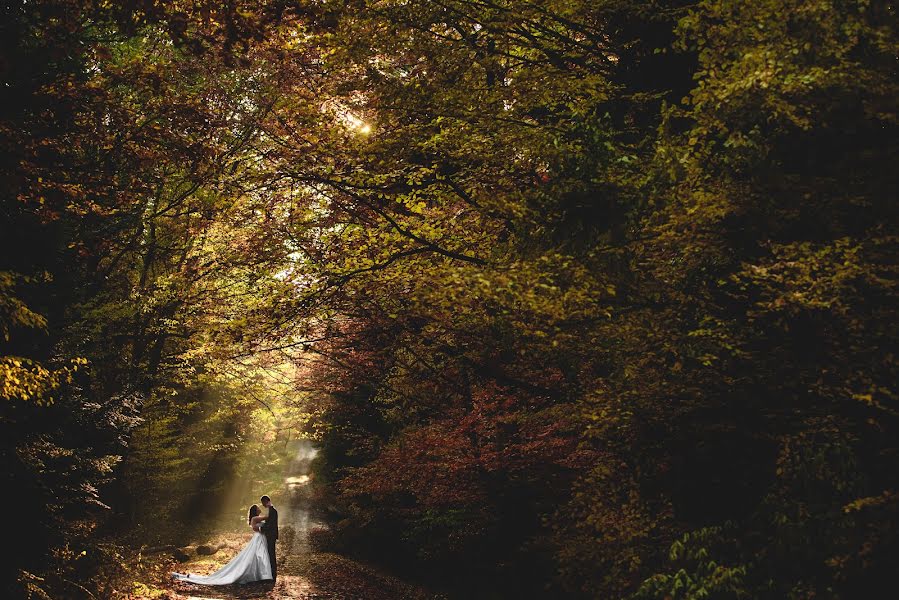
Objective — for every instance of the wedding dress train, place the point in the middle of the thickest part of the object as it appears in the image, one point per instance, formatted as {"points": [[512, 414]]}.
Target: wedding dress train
{"points": [[251, 564]]}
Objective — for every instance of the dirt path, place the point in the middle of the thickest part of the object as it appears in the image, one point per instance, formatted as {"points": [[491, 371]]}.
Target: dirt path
{"points": [[305, 575], [302, 572]]}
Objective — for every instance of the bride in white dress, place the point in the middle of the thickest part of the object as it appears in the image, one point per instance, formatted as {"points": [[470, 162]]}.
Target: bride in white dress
{"points": [[250, 564]]}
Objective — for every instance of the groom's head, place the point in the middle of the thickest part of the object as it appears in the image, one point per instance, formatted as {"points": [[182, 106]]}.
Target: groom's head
{"points": [[266, 501]]}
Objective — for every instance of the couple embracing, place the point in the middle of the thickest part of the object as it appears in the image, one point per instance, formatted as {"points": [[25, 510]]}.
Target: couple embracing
{"points": [[256, 561]]}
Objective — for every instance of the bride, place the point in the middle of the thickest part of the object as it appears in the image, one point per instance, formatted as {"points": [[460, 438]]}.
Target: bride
{"points": [[250, 564]]}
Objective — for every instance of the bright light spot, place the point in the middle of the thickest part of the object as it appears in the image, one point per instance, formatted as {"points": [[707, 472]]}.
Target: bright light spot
{"points": [[358, 124], [298, 480]]}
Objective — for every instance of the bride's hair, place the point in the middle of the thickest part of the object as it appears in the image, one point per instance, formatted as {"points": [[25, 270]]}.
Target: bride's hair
{"points": [[254, 510]]}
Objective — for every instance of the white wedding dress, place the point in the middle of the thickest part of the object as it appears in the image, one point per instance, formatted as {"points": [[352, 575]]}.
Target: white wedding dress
{"points": [[250, 564]]}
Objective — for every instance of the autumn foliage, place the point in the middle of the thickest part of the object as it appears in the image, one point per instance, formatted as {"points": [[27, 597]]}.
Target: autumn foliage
{"points": [[582, 299]]}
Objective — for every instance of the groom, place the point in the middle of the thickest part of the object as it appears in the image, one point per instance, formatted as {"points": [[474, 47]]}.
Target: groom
{"points": [[270, 530]]}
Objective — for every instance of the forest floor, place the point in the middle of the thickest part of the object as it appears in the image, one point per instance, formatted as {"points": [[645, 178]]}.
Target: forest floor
{"points": [[302, 574]]}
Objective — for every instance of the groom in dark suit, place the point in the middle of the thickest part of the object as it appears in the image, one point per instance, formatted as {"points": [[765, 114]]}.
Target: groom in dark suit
{"points": [[270, 530]]}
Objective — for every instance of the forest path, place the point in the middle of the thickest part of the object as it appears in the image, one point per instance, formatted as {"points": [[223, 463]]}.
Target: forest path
{"points": [[306, 575], [311, 576], [303, 573]]}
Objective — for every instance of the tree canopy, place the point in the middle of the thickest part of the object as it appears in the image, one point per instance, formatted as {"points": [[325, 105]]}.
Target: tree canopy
{"points": [[582, 298]]}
